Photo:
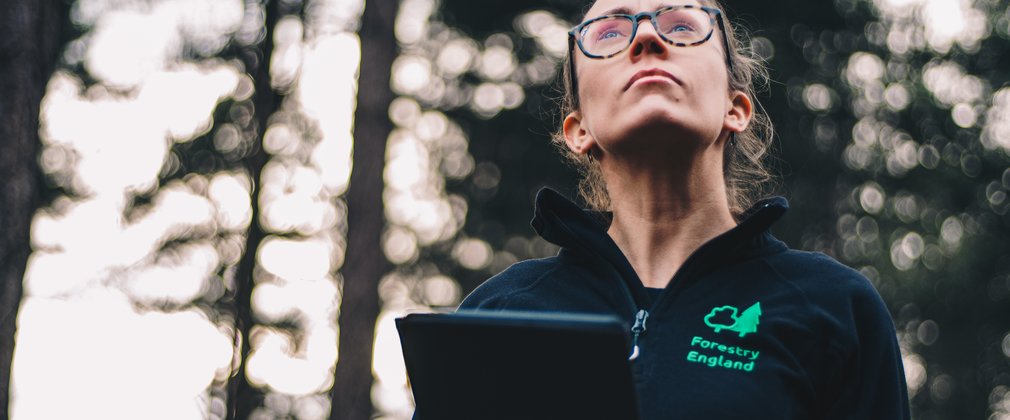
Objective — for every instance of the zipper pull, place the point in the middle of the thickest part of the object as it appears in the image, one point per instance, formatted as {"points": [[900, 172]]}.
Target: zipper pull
{"points": [[637, 329]]}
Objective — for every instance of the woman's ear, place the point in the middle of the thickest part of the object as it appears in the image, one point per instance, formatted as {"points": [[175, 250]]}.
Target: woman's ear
{"points": [[741, 109], [577, 137]]}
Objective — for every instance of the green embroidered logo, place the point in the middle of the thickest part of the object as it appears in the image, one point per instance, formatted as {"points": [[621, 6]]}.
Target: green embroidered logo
{"points": [[726, 318]]}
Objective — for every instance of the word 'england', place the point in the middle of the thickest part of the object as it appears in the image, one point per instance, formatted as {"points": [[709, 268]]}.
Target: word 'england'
{"points": [[722, 360]]}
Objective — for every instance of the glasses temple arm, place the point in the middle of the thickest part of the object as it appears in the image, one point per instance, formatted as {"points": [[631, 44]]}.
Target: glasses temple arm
{"points": [[725, 43], [573, 82]]}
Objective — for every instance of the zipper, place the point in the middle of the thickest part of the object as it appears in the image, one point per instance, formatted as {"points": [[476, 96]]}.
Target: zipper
{"points": [[641, 315], [636, 330]]}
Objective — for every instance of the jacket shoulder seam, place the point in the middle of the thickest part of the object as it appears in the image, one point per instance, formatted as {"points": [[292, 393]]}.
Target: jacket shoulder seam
{"points": [[555, 265]]}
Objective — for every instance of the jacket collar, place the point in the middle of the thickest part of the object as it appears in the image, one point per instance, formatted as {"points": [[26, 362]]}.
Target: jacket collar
{"points": [[563, 223]]}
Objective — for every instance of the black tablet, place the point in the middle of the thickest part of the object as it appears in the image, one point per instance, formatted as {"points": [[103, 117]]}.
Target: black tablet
{"points": [[518, 365]]}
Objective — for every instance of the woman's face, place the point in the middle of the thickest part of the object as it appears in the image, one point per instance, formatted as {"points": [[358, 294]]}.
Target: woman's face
{"points": [[653, 97]]}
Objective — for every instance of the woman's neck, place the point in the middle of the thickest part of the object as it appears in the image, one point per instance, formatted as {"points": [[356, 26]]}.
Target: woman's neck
{"points": [[664, 212]]}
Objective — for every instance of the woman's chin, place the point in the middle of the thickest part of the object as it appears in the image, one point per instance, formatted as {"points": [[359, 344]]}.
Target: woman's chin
{"points": [[657, 109], [663, 125], [661, 132]]}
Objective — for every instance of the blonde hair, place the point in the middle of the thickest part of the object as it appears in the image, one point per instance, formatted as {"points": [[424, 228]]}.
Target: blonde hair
{"points": [[746, 175]]}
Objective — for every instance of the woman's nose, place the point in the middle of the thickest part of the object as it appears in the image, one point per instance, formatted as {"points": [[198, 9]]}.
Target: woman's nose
{"points": [[647, 41]]}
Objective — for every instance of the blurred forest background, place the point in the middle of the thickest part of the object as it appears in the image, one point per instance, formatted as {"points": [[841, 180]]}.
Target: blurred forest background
{"points": [[214, 209]]}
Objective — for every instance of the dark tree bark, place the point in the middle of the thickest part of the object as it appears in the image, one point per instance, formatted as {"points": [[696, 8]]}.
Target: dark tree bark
{"points": [[364, 263], [30, 36], [244, 397]]}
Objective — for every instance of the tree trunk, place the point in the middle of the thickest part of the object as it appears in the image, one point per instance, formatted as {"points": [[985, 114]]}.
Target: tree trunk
{"points": [[244, 397], [364, 263], [30, 35]]}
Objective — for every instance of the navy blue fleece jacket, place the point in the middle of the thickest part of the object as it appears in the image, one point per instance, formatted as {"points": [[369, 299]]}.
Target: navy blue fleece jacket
{"points": [[746, 329]]}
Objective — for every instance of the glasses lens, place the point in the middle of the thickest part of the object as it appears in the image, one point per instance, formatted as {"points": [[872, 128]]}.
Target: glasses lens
{"points": [[606, 36], [684, 25]]}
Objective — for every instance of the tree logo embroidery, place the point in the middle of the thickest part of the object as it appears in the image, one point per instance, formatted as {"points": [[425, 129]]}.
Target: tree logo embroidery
{"points": [[726, 318]]}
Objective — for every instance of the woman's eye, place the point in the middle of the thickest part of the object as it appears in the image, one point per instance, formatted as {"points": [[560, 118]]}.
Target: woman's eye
{"points": [[607, 32], [681, 27], [609, 35]]}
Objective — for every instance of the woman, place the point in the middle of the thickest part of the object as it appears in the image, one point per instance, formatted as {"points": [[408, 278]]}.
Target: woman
{"points": [[727, 322]]}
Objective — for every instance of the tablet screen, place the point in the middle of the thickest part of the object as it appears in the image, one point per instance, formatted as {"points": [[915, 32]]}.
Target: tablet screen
{"points": [[518, 365]]}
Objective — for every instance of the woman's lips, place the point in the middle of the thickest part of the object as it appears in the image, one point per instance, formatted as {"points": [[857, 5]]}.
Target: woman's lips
{"points": [[650, 74]]}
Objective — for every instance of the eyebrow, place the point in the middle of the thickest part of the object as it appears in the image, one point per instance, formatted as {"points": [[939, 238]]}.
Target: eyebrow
{"points": [[624, 10]]}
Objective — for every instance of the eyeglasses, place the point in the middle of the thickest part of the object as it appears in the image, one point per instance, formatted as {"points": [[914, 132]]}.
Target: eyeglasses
{"points": [[606, 36]]}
